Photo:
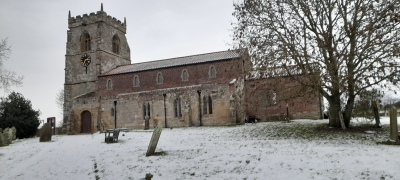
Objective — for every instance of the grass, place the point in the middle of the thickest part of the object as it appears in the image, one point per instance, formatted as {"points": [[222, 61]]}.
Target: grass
{"points": [[315, 131]]}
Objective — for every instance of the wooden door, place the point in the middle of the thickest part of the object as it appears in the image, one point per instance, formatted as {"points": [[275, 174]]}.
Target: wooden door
{"points": [[86, 119]]}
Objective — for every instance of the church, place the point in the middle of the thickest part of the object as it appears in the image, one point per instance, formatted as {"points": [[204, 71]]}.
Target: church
{"points": [[104, 90]]}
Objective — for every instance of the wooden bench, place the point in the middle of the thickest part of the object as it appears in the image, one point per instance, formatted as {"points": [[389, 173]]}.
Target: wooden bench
{"points": [[113, 138]]}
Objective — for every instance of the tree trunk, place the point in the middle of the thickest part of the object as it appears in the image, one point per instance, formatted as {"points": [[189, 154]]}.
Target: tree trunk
{"points": [[334, 109], [375, 107]]}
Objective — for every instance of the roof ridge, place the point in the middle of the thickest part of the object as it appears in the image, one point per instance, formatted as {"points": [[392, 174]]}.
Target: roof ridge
{"points": [[176, 61], [178, 57]]}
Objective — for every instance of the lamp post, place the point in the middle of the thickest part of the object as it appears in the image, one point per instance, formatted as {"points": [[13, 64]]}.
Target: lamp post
{"points": [[115, 114]]}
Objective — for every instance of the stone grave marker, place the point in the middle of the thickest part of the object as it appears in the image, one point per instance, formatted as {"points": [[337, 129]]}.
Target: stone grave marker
{"points": [[3, 140], [14, 133], [7, 132], [154, 139], [393, 124]]}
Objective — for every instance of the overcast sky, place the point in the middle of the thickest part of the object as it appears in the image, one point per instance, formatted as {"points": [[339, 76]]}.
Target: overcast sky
{"points": [[156, 29]]}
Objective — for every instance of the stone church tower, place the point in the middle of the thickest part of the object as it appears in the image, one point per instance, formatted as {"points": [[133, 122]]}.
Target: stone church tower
{"points": [[96, 43]]}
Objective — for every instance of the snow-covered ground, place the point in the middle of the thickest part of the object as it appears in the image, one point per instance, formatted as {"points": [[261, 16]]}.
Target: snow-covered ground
{"points": [[261, 151]]}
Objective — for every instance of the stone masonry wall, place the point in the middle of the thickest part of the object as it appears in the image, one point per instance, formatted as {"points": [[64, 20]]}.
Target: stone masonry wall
{"points": [[78, 81]]}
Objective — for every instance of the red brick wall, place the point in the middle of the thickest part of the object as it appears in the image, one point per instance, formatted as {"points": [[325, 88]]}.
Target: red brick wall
{"points": [[198, 74], [306, 107]]}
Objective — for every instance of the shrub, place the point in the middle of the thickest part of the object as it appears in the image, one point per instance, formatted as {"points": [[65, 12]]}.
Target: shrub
{"points": [[45, 133], [17, 111]]}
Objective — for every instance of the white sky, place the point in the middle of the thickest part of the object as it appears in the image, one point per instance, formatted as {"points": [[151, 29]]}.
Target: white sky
{"points": [[37, 31]]}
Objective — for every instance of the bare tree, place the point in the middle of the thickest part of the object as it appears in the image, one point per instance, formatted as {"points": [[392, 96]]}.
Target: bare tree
{"points": [[7, 77], [339, 48], [60, 102], [388, 100]]}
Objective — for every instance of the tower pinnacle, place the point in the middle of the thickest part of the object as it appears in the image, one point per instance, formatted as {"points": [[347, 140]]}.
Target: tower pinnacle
{"points": [[101, 6], [69, 15], [125, 21]]}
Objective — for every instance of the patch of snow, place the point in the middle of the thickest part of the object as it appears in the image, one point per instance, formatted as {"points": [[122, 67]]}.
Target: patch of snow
{"points": [[238, 152]]}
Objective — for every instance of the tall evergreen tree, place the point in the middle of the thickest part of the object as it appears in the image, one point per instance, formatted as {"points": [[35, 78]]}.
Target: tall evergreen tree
{"points": [[17, 111]]}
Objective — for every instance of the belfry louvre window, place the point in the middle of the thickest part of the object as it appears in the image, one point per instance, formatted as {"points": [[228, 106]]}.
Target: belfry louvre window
{"points": [[212, 72], [185, 75], [115, 44], [85, 42]]}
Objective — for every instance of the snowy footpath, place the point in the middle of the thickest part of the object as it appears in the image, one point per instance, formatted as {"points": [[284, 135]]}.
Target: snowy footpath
{"points": [[257, 151]]}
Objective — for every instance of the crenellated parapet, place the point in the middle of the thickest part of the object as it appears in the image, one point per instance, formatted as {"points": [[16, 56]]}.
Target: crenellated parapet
{"points": [[99, 16]]}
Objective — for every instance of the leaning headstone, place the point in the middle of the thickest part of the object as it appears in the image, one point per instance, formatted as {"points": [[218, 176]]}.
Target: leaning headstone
{"points": [[14, 133], [154, 140], [146, 123], [393, 124], [45, 133]]}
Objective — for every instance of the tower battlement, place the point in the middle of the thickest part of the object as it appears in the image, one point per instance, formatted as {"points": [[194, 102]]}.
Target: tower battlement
{"points": [[99, 16]]}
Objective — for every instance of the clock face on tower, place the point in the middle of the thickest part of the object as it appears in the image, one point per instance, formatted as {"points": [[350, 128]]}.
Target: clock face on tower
{"points": [[85, 60]]}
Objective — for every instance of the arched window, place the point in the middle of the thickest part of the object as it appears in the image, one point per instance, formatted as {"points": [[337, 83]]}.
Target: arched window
{"points": [[204, 105], [136, 81], [85, 42], [144, 111], [180, 108], [176, 107], [115, 44], [148, 110], [185, 75], [210, 105], [159, 78], [212, 72], [109, 84]]}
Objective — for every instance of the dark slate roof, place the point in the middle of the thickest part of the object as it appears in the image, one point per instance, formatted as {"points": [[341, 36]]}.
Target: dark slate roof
{"points": [[194, 59]]}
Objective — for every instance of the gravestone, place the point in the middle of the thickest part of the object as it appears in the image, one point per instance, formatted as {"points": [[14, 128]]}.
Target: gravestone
{"points": [[14, 133], [393, 124], [154, 140], [146, 122], [45, 133], [7, 132], [3, 140]]}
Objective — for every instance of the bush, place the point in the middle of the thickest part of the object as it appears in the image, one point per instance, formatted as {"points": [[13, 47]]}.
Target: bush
{"points": [[45, 133], [17, 111]]}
